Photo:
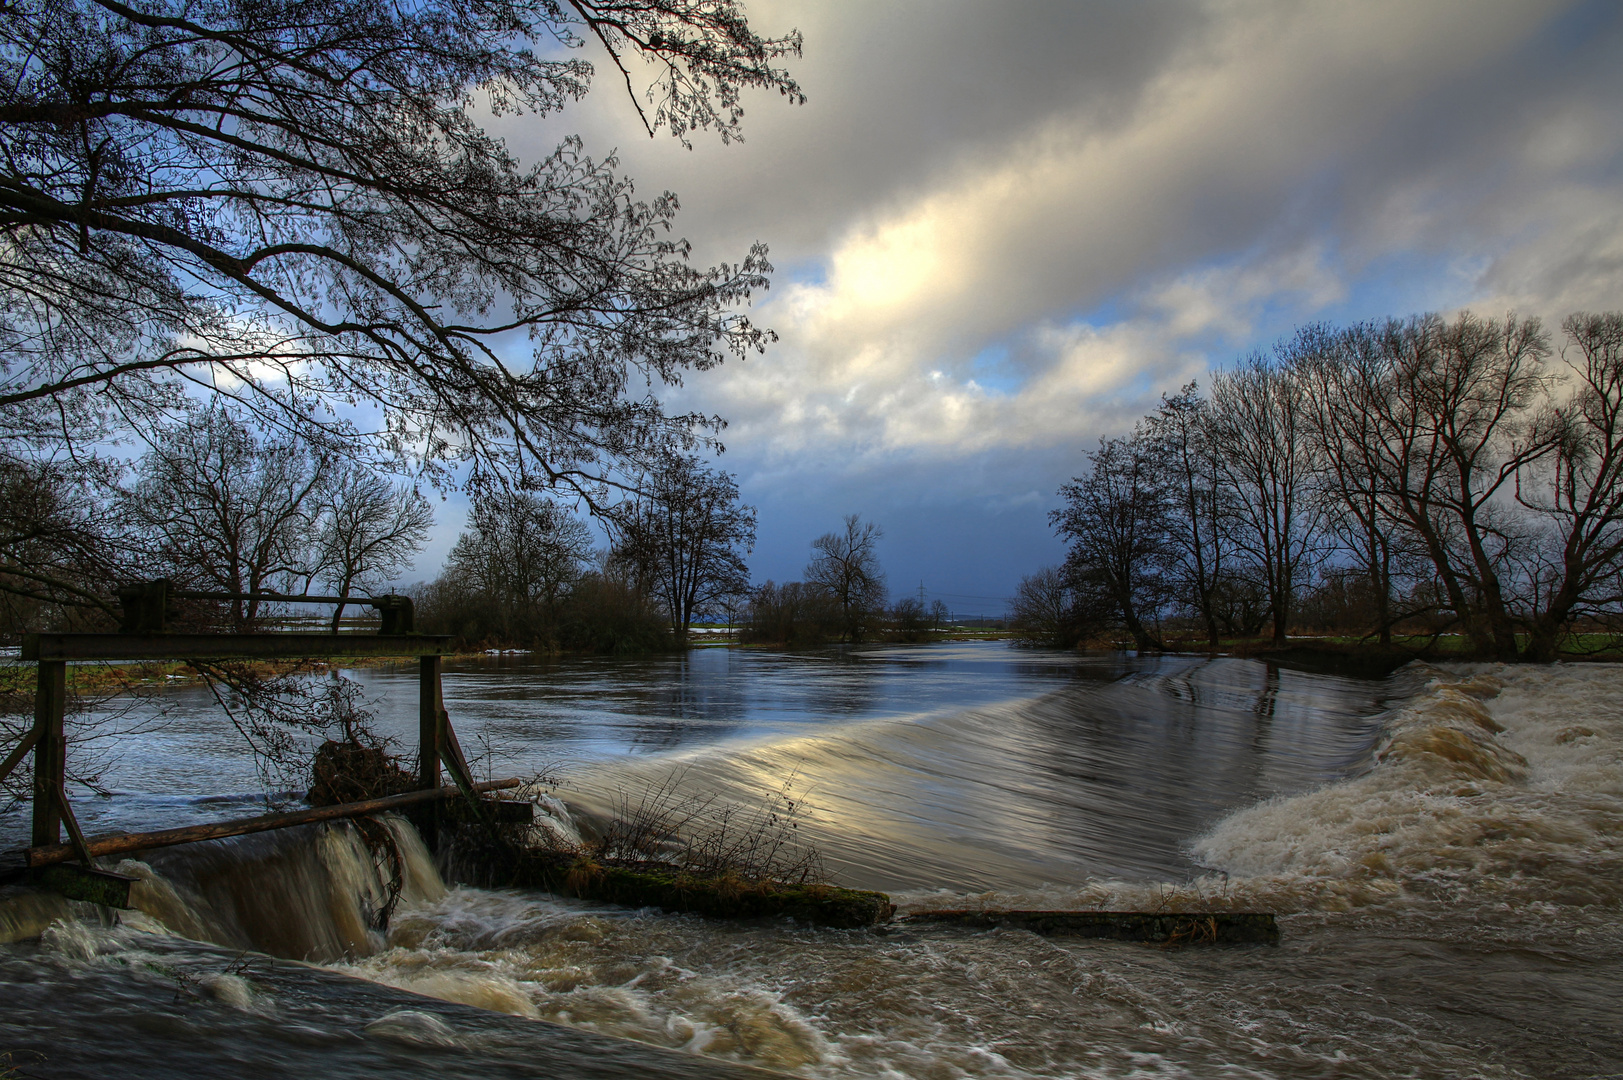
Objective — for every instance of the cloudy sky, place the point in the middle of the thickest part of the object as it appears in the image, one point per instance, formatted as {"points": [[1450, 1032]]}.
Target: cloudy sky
{"points": [[1002, 229]]}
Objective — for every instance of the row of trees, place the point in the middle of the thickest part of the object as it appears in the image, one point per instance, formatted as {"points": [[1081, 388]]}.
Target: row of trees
{"points": [[1423, 473], [287, 211], [843, 597], [215, 505], [526, 572], [212, 505]]}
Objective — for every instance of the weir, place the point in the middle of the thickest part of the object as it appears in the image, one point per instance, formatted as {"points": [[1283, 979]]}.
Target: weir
{"points": [[144, 636], [71, 869]]}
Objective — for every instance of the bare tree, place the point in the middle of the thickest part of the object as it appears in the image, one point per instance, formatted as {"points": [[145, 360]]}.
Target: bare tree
{"points": [[1045, 610], [292, 203], [1454, 427], [228, 510], [845, 565], [1115, 519], [689, 534], [1341, 375], [60, 542], [1199, 503], [1259, 420], [522, 553], [367, 530], [1579, 489]]}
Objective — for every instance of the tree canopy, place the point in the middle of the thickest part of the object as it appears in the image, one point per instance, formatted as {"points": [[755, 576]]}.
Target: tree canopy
{"points": [[293, 204]]}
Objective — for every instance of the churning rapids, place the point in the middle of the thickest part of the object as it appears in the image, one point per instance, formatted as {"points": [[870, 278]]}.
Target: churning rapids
{"points": [[1448, 845]]}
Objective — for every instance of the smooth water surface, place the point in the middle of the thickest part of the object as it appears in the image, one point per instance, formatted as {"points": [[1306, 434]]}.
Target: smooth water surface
{"points": [[956, 765]]}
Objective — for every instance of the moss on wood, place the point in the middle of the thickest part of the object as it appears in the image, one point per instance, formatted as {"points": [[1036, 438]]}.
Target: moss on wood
{"points": [[672, 889]]}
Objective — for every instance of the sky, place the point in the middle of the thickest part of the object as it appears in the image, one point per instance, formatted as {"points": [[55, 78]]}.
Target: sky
{"points": [[1002, 230]]}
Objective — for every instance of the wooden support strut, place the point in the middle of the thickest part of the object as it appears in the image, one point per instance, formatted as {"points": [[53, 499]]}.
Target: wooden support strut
{"points": [[50, 751], [15, 758], [123, 843]]}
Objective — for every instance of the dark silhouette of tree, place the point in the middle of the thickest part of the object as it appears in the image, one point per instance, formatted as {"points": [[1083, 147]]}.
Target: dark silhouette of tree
{"points": [[520, 555], [1200, 508], [688, 534], [794, 613], [845, 565], [228, 511], [1453, 426], [1115, 520], [1578, 488], [1260, 424], [60, 540], [291, 203], [368, 530], [1046, 610]]}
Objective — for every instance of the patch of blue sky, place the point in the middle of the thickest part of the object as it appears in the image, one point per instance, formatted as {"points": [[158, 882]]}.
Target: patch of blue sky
{"points": [[1579, 26], [991, 369], [803, 272], [1404, 283]]}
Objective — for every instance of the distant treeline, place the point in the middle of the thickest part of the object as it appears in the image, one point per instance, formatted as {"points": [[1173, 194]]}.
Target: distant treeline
{"points": [[215, 504], [218, 504], [1417, 476], [842, 599]]}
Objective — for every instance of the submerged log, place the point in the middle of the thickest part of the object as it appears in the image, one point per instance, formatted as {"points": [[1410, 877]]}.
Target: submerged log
{"points": [[672, 889], [123, 843], [1169, 928]]}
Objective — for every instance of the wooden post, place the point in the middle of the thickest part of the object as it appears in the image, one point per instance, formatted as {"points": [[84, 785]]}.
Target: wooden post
{"points": [[428, 740], [428, 722], [50, 750]]}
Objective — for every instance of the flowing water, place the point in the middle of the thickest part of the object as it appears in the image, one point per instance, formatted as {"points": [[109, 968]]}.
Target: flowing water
{"points": [[1450, 843]]}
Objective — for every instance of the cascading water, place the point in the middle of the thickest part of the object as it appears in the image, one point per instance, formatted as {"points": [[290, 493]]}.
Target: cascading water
{"points": [[1452, 842]]}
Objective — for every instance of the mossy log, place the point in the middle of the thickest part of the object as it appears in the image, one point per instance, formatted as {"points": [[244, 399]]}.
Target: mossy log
{"points": [[1168, 928], [671, 889]]}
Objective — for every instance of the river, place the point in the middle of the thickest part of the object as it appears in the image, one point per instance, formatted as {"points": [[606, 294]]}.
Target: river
{"points": [[1444, 845]]}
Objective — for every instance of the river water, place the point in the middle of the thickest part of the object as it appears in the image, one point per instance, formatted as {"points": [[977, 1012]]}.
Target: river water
{"points": [[1447, 847]]}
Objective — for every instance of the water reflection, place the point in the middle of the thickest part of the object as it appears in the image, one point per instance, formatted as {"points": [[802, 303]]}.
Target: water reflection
{"points": [[967, 763]]}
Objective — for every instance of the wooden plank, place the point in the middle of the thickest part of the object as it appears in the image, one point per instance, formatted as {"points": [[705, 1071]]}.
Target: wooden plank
{"points": [[76, 836], [290, 646], [20, 751], [123, 843], [87, 883], [1166, 927], [50, 750]]}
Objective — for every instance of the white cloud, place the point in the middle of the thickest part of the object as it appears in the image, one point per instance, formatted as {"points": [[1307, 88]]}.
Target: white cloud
{"points": [[1022, 222]]}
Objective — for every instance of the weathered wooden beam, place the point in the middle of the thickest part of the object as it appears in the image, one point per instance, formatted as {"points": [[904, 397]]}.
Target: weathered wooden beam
{"points": [[428, 722], [50, 750], [670, 888], [123, 843], [89, 883], [289, 646], [76, 836], [1170, 928], [20, 751]]}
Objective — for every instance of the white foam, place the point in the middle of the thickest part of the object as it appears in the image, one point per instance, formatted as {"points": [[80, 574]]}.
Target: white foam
{"points": [[1493, 783]]}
